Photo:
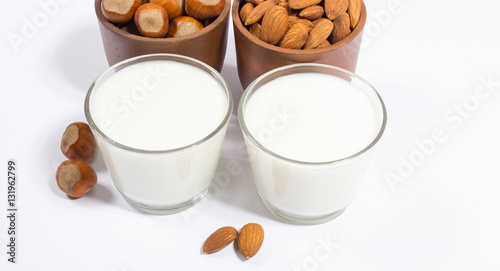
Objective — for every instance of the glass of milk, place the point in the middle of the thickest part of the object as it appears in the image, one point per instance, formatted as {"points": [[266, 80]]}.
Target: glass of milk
{"points": [[160, 121], [309, 130]]}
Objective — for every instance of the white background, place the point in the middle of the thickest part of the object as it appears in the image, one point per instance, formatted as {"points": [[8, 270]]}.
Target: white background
{"points": [[429, 202]]}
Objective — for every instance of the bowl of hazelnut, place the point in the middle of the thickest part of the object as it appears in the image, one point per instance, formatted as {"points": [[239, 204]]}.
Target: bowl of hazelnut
{"points": [[193, 28], [273, 33]]}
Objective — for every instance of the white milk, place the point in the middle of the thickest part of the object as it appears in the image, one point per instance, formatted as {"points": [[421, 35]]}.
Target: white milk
{"points": [[309, 118], [156, 106]]}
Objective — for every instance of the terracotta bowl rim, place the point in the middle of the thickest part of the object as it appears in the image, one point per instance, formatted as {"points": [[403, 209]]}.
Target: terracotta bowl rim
{"points": [[239, 26], [220, 20]]}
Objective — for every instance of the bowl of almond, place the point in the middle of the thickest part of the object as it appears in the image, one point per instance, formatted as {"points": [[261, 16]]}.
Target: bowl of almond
{"points": [[273, 33], [193, 28]]}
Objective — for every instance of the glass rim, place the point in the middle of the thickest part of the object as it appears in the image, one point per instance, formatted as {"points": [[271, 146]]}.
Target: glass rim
{"points": [[161, 56], [252, 88]]}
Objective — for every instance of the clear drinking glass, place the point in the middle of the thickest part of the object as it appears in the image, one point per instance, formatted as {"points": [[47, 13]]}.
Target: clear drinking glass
{"points": [[160, 121], [301, 190]]}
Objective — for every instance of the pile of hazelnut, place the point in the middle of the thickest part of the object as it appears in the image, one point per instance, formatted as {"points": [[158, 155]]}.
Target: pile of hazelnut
{"points": [[161, 18], [75, 176]]}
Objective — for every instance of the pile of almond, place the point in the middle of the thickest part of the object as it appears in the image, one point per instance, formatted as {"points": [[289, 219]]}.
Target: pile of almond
{"points": [[161, 18], [300, 24]]}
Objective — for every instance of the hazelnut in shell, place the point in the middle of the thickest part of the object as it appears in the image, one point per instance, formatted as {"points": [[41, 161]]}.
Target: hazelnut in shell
{"points": [[183, 26], [151, 20], [75, 178], [204, 9], [78, 142], [119, 11], [172, 8]]}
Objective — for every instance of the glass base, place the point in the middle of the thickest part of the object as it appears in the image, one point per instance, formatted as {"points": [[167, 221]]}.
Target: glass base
{"points": [[305, 220], [165, 210]]}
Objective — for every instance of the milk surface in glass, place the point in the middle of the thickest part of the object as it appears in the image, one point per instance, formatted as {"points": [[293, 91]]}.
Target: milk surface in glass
{"points": [[309, 119], [160, 105]]}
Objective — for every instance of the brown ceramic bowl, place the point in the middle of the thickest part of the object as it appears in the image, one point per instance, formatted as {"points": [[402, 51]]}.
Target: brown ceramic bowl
{"points": [[255, 57], [207, 45]]}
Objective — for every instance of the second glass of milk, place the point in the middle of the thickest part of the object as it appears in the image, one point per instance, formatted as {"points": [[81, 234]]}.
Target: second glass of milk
{"points": [[160, 121], [309, 131]]}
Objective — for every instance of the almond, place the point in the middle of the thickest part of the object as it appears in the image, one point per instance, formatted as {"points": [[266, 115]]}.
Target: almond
{"points": [[250, 239], [319, 33], [245, 11], [300, 4], [256, 30], [274, 24], [315, 22], [341, 28], [334, 8], [312, 12], [259, 11], [286, 5], [295, 37], [294, 20], [354, 12], [255, 2], [325, 43], [220, 239]]}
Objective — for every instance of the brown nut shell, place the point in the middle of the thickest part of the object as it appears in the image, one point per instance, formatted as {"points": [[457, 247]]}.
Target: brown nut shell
{"points": [[183, 26], [75, 178], [204, 9], [151, 20], [119, 11], [78, 142], [172, 8]]}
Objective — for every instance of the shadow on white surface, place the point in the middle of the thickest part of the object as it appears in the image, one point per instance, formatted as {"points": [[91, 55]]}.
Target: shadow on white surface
{"points": [[233, 183], [101, 193]]}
